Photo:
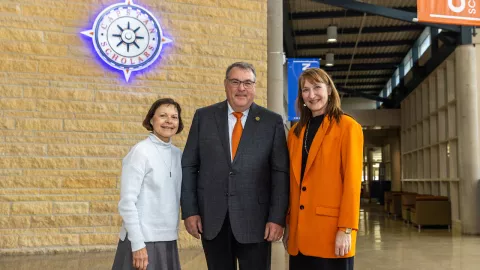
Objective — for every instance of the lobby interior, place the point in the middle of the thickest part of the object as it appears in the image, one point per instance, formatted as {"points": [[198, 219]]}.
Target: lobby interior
{"points": [[412, 86]]}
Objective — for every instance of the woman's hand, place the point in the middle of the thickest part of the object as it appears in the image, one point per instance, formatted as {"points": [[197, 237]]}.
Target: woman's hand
{"points": [[343, 243], [140, 259]]}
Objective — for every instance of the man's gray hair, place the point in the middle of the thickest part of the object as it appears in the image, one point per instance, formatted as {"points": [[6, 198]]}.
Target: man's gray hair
{"points": [[242, 65]]}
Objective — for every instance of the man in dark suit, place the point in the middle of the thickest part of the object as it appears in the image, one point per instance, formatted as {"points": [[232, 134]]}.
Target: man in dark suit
{"points": [[235, 177]]}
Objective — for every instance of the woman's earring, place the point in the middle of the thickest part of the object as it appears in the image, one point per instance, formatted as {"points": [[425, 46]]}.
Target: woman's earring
{"points": [[304, 105]]}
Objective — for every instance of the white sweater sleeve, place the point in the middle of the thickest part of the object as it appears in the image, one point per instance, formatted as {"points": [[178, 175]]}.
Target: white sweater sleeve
{"points": [[133, 172]]}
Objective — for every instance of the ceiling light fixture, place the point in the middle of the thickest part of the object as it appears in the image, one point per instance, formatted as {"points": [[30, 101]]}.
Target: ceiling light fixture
{"points": [[329, 59], [332, 33]]}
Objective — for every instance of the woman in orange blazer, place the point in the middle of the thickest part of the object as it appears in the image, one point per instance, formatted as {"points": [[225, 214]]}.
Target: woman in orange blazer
{"points": [[326, 160]]}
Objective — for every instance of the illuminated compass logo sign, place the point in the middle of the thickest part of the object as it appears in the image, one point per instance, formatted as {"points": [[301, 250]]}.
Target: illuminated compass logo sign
{"points": [[127, 37]]}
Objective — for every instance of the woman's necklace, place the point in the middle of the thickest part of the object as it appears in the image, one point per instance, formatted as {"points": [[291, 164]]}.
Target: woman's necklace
{"points": [[306, 136], [171, 158]]}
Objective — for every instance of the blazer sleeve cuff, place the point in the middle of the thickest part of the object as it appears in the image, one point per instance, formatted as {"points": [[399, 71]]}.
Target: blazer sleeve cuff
{"points": [[352, 225], [278, 221], [188, 214]]}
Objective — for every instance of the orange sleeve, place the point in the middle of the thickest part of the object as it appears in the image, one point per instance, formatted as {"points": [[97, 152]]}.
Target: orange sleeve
{"points": [[352, 165]]}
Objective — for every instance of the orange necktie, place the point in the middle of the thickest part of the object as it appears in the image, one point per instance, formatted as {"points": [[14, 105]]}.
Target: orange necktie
{"points": [[237, 133]]}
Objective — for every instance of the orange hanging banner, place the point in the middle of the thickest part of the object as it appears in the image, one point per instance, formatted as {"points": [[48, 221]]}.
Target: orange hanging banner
{"points": [[459, 12]]}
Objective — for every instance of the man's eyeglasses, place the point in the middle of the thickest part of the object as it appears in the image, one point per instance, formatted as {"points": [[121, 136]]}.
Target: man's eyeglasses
{"points": [[236, 83]]}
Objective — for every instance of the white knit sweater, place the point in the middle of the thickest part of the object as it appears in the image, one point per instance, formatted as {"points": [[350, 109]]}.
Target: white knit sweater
{"points": [[150, 192]]}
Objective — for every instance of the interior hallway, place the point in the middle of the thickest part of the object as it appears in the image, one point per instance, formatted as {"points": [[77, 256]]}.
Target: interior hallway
{"points": [[383, 243]]}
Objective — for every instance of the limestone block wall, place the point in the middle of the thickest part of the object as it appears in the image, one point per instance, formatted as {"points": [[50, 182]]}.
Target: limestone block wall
{"points": [[66, 120]]}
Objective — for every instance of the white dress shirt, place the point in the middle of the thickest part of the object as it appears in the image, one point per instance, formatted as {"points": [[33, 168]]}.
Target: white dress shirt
{"points": [[231, 124]]}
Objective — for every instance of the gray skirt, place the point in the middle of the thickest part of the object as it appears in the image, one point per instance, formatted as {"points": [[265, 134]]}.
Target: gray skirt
{"points": [[162, 255]]}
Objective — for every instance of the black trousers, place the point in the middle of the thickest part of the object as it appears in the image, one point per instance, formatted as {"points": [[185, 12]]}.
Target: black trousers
{"points": [[224, 250], [302, 262]]}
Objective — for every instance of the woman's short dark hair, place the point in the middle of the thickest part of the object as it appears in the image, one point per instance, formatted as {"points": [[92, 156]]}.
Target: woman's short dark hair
{"points": [[163, 101]]}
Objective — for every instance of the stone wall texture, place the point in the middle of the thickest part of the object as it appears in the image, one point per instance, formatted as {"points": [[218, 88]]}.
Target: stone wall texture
{"points": [[66, 121]]}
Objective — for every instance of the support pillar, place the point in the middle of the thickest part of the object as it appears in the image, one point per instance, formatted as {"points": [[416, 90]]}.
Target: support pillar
{"points": [[370, 170], [275, 57], [365, 169], [468, 134], [395, 162], [275, 72]]}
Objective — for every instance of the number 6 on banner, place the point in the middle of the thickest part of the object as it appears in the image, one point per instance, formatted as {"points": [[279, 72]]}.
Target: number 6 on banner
{"points": [[456, 9], [456, 12]]}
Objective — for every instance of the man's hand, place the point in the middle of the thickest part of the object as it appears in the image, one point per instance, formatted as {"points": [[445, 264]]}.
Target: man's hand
{"points": [[273, 232], [285, 238], [343, 243], [140, 259], [194, 226]]}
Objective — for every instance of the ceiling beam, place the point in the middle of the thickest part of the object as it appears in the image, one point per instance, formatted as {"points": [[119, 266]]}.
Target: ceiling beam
{"points": [[360, 56], [355, 84], [369, 56], [376, 66], [392, 13], [352, 88], [448, 40], [337, 14], [363, 44], [422, 72], [365, 95], [465, 36], [361, 77], [365, 30], [441, 54]]}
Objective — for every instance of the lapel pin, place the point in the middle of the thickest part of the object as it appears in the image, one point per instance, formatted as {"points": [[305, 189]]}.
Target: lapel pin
{"points": [[257, 118]]}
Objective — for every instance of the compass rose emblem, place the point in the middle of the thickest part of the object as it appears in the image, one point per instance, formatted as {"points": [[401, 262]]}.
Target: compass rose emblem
{"points": [[127, 37]]}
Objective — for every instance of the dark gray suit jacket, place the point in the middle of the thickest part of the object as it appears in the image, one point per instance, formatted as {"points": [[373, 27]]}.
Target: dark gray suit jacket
{"points": [[254, 188]]}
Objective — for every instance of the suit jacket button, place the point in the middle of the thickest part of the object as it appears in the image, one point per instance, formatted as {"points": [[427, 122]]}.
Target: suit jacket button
{"points": [[301, 207], [304, 188], [230, 173], [226, 194]]}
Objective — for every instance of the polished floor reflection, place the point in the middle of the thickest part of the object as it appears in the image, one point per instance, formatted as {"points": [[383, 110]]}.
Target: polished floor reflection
{"points": [[383, 243]]}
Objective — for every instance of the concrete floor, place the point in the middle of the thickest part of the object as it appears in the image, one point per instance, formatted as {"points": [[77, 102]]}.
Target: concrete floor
{"points": [[383, 243]]}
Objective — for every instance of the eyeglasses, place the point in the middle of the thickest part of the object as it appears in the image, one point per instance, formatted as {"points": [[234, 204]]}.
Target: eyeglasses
{"points": [[236, 83]]}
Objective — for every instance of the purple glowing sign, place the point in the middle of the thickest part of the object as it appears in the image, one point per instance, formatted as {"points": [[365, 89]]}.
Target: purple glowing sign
{"points": [[127, 37]]}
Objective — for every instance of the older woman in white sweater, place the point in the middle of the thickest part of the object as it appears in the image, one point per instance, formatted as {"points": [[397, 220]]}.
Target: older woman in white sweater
{"points": [[150, 194]]}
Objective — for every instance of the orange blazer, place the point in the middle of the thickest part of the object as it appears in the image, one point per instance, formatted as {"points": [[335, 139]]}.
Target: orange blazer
{"points": [[329, 196]]}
